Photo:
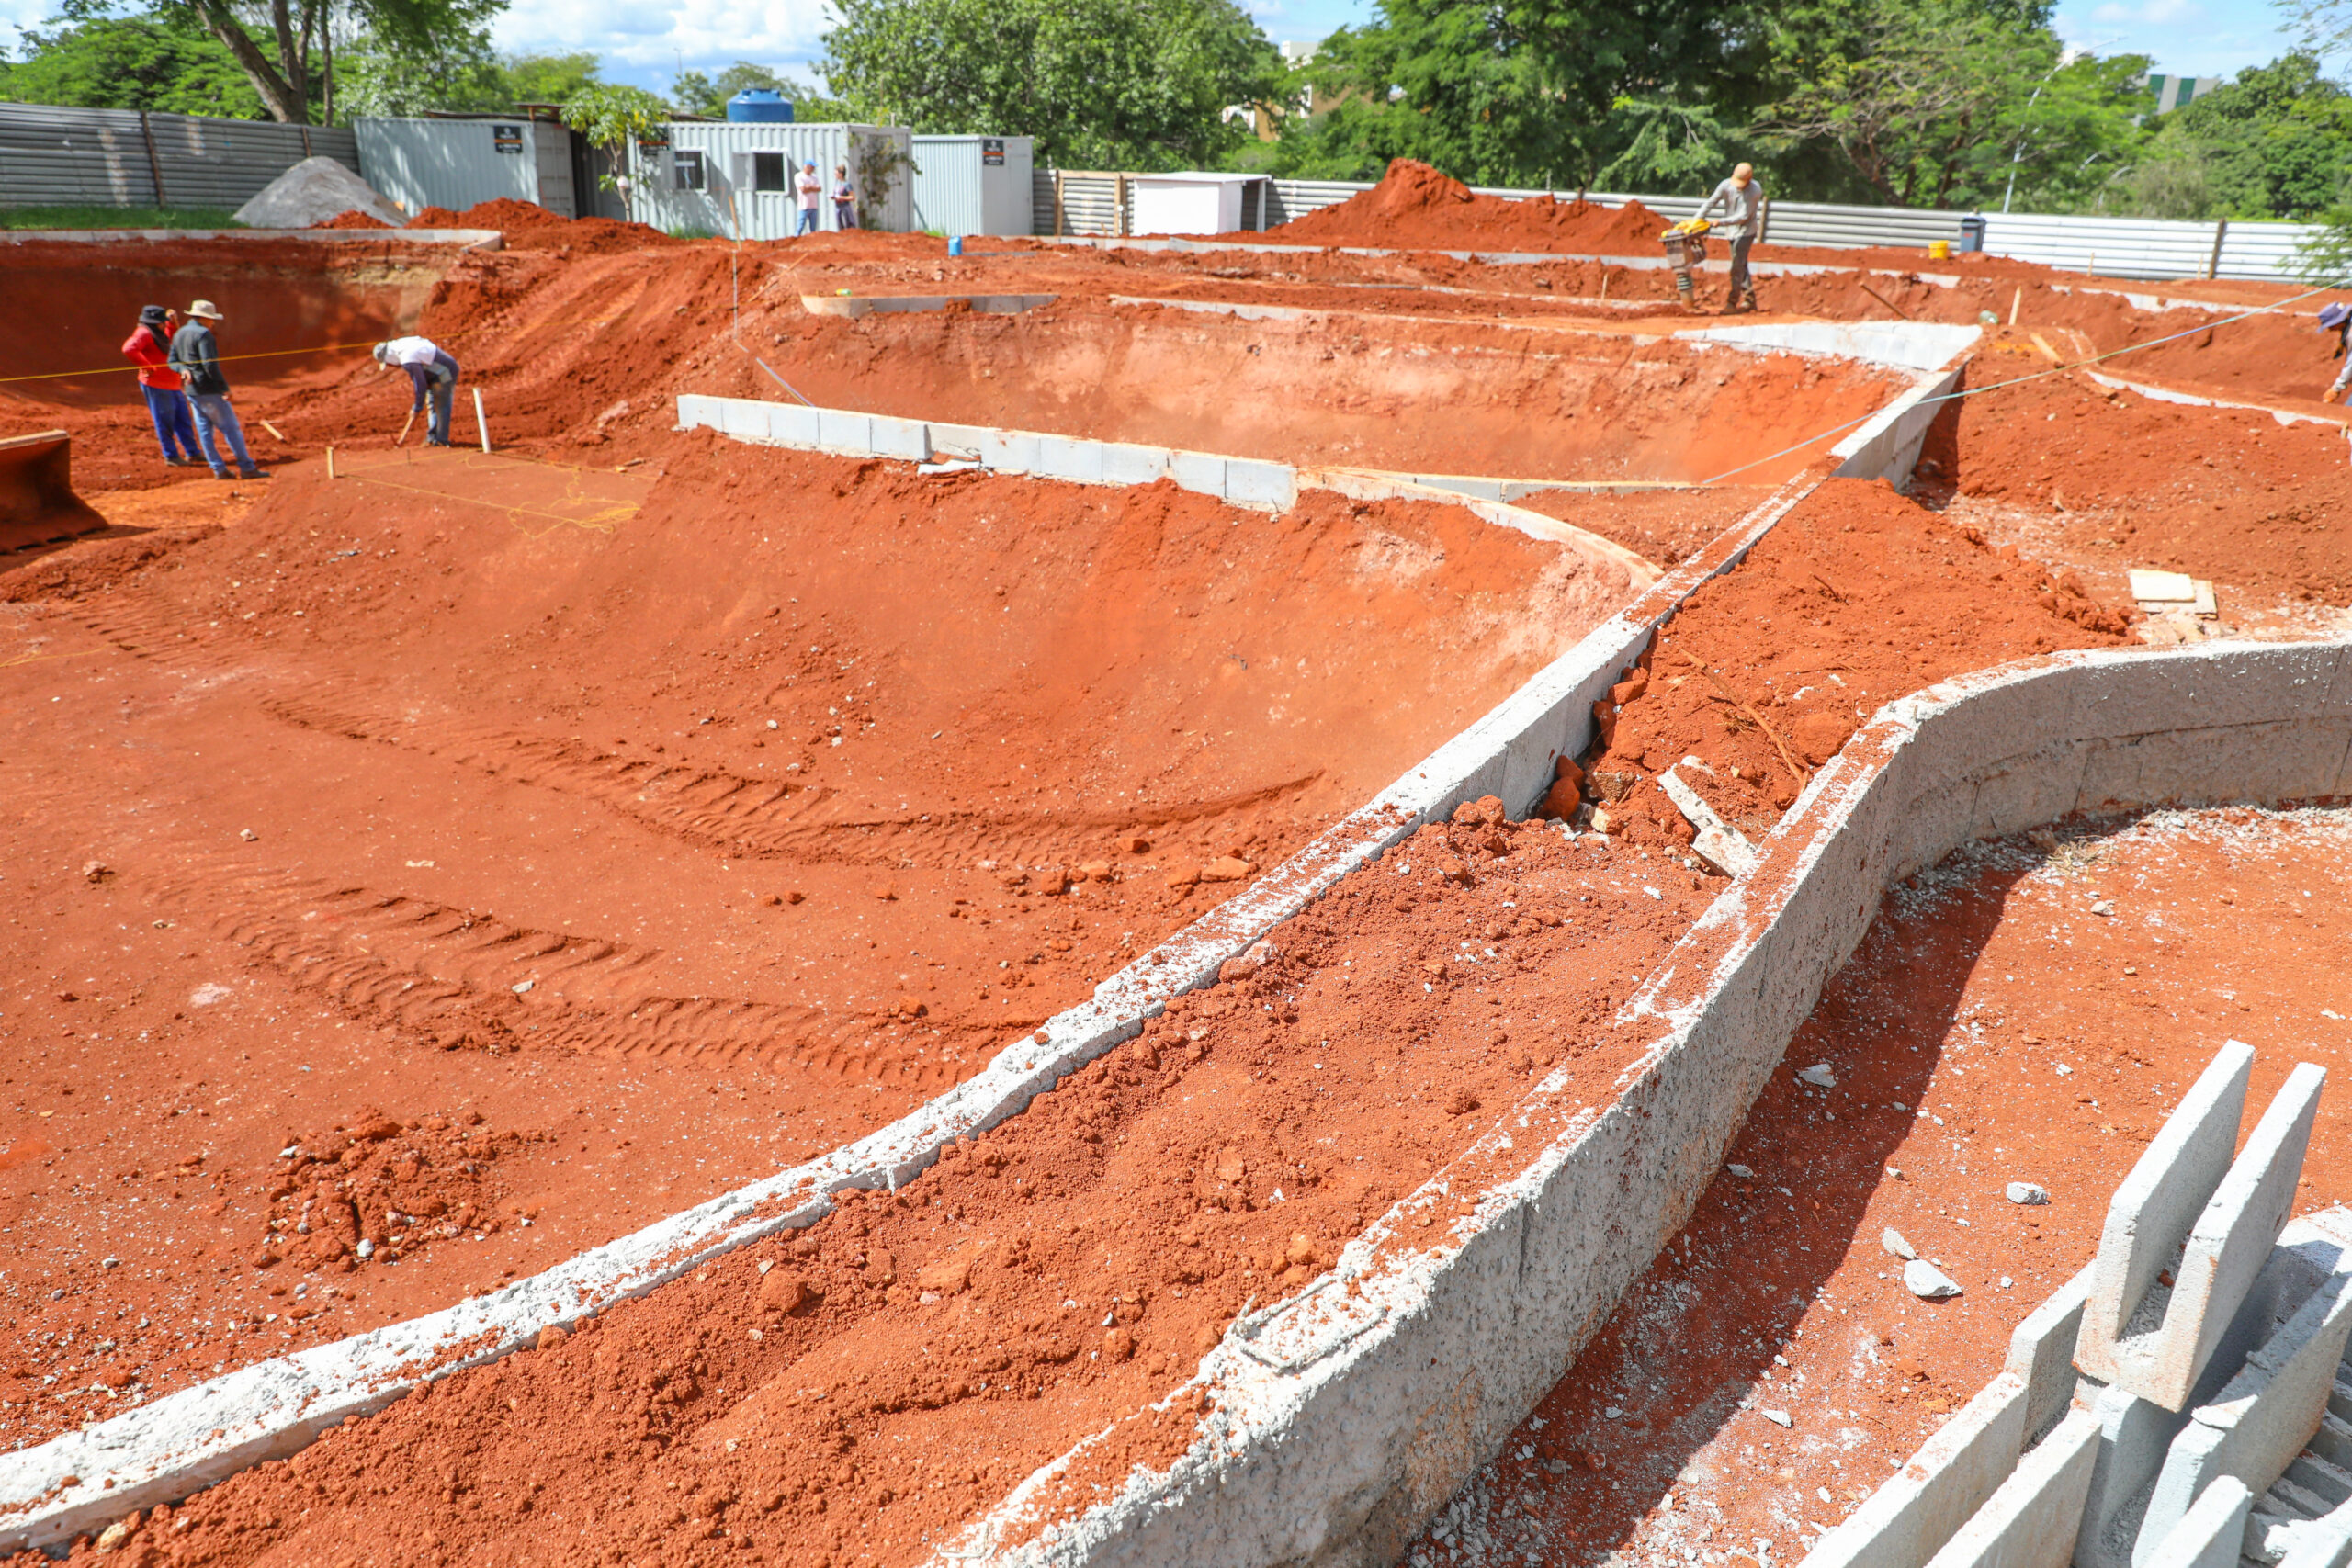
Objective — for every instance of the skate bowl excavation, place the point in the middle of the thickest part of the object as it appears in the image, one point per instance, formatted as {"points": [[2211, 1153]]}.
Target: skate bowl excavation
{"points": [[1045, 906]]}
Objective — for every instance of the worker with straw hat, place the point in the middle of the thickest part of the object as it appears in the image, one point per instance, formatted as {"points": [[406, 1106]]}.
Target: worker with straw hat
{"points": [[430, 370], [196, 356]]}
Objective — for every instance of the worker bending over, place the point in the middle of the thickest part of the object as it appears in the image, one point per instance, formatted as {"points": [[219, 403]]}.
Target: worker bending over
{"points": [[431, 370], [2336, 320], [1742, 200]]}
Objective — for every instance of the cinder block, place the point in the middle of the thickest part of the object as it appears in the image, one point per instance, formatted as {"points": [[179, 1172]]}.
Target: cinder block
{"points": [[2159, 1204], [907, 439], [2030, 1522], [1909, 1519], [794, 426], [1125, 463], [743, 419], [839, 430], [2208, 1535], [1063, 458], [1200, 471], [696, 411], [964, 441], [2041, 1351], [1009, 451], [2263, 1418], [1248, 483], [2223, 1254]]}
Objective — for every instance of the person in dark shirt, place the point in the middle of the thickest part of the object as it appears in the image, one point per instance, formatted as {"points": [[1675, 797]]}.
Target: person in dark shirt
{"points": [[196, 357], [430, 370]]}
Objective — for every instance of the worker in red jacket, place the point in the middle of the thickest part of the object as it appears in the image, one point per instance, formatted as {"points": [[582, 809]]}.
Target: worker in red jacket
{"points": [[148, 346]]}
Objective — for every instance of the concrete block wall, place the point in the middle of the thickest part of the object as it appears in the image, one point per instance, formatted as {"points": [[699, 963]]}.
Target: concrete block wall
{"points": [[2030, 1522], [1353, 1414]]}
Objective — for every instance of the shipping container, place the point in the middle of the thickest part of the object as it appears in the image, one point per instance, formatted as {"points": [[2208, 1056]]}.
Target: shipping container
{"points": [[455, 163], [973, 185], [736, 180]]}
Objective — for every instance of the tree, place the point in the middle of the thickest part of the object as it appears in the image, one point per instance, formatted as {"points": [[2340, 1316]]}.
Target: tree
{"points": [[612, 116], [1536, 92], [1945, 103], [130, 62], [285, 48], [1140, 85], [695, 93], [2276, 142]]}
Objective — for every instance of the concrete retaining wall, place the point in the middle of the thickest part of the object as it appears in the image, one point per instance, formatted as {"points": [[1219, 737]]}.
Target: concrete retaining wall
{"points": [[1346, 1414]]}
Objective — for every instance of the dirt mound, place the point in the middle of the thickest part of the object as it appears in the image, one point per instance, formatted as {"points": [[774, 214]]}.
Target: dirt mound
{"points": [[1415, 205], [2225, 493], [353, 218], [1858, 597], [529, 227]]}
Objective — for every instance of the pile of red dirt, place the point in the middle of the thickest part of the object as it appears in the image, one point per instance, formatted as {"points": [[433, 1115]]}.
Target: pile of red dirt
{"points": [[529, 227], [1415, 205], [2229, 494], [935, 1346], [1857, 598], [353, 218]]}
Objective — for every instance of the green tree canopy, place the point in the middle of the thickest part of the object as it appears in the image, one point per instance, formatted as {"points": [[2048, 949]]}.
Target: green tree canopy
{"points": [[612, 115], [1141, 84], [130, 62], [2276, 142]]}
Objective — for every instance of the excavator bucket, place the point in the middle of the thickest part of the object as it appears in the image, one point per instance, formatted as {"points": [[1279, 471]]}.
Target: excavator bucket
{"points": [[37, 500]]}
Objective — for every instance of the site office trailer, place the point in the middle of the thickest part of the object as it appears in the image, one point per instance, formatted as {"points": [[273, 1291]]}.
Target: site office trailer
{"points": [[457, 161], [735, 178], [975, 184]]}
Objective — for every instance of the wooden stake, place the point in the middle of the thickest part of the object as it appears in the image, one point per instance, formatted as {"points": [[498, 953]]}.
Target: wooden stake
{"points": [[2015, 301], [480, 423], [402, 439], [275, 431], [330, 464]]}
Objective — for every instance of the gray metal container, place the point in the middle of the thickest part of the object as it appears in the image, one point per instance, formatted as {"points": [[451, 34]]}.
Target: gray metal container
{"points": [[456, 162], [736, 180], [973, 185]]}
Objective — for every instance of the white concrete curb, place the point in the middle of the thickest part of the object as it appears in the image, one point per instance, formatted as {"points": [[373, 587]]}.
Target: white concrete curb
{"points": [[1346, 1414]]}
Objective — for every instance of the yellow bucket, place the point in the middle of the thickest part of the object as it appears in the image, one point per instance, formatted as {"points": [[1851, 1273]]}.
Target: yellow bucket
{"points": [[1939, 250]]}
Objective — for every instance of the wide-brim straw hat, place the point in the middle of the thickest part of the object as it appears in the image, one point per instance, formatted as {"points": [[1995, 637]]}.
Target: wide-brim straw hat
{"points": [[203, 310]]}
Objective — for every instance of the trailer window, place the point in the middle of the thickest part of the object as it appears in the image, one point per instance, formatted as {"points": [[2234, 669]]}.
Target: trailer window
{"points": [[768, 172], [689, 167]]}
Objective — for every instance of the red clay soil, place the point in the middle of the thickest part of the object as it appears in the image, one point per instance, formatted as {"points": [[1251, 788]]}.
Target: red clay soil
{"points": [[679, 845], [530, 227], [353, 218], [2224, 493], [1991, 1028], [934, 1346], [1857, 598], [1415, 205]]}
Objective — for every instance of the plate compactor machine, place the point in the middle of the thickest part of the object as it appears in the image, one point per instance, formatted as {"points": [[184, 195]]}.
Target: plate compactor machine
{"points": [[1686, 248]]}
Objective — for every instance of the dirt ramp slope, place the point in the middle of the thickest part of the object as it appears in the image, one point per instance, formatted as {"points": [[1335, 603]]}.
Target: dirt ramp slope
{"points": [[1415, 205]]}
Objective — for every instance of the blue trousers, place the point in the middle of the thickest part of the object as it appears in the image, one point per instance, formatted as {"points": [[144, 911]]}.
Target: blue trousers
{"points": [[442, 389], [169, 411], [807, 222], [213, 413]]}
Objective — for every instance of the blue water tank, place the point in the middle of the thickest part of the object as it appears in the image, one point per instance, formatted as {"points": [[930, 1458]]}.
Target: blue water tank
{"points": [[759, 106]]}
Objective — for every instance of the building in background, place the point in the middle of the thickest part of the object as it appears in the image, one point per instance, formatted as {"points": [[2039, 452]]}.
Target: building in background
{"points": [[455, 160], [975, 184], [2178, 92]]}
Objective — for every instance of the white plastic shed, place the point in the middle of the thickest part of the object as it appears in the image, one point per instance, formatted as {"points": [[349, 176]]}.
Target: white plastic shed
{"points": [[1193, 202]]}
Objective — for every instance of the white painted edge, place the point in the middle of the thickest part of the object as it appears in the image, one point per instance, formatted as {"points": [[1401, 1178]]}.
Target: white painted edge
{"points": [[1344, 1416], [2167, 395]]}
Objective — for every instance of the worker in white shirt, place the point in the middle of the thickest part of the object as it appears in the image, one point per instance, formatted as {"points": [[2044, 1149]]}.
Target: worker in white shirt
{"points": [[432, 373], [1742, 200]]}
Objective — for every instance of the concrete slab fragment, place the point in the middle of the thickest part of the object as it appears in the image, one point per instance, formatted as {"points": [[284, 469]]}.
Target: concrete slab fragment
{"points": [[838, 430], [2041, 1351], [2210, 1533], [1202, 472], [2030, 1522], [1907, 1521], [905, 439], [1248, 483], [793, 424], [1009, 451], [2159, 1203], [1065, 457], [1127, 463]]}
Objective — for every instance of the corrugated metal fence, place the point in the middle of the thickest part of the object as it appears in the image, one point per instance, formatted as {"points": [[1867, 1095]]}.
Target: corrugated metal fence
{"points": [[1088, 202], [51, 156]]}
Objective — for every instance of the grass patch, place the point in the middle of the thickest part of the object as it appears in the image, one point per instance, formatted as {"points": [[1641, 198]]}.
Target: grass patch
{"points": [[116, 218]]}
